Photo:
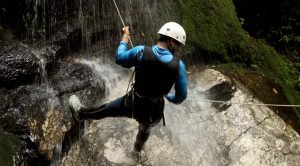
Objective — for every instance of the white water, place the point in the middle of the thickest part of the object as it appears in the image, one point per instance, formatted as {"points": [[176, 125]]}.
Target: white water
{"points": [[105, 71]]}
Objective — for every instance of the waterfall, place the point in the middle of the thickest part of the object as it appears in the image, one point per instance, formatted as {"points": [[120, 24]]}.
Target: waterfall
{"points": [[97, 20], [57, 155], [43, 71], [105, 71]]}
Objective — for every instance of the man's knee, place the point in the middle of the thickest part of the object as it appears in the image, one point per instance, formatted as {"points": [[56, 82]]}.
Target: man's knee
{"points": [[144, 128]]}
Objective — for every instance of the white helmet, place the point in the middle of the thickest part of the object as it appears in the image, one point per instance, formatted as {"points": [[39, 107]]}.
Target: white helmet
{"points": [[173, 30]]}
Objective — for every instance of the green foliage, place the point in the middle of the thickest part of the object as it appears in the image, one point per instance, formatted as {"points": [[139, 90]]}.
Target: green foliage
{"points": [[285, 38], [288, 38], [297, 39], [8, 144]]}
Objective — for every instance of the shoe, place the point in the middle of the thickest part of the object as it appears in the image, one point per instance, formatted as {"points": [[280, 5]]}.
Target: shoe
{"points": [[75, 106], [136, 156], [140, 157]]}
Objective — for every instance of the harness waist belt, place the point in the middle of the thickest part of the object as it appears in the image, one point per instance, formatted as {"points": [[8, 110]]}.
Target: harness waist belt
{"points": [[154, 99]]}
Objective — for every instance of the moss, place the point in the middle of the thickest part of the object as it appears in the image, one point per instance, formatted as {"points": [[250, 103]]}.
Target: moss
{"points": [[274, 67], [1, 31], [277, 68], [211, 25], [8, 145], [297, 85]]}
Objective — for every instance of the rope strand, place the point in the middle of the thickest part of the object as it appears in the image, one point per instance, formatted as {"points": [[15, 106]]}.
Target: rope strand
{"points": [[123, 23], [240, 103], [122, 20]]}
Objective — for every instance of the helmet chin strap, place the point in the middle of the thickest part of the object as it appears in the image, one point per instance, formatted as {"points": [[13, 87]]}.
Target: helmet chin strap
{"points": [[167, 45], [170, 47]]}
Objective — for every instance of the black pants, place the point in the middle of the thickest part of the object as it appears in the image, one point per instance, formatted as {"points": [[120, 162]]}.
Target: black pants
{"points": [[148, 112]]}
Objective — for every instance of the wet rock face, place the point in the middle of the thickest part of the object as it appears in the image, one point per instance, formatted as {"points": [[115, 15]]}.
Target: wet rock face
{"points": [[217, 87], [197, 133], [17, 65], [39, 114], [21, 108], [77, 79], [13, 148]]}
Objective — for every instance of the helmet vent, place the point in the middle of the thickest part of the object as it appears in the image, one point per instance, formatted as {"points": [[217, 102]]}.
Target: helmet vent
{"points": [[168, 29]]}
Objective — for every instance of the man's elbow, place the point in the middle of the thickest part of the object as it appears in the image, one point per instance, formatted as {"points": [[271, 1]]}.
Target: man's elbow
{"points": [[180, 100], [119, 60], [122, 63]]}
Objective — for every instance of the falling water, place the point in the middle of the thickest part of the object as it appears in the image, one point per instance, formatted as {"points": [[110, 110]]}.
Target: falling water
{"points": [[106, 72], [97, 20], [66, 15], [42, 67], [57, 155]]}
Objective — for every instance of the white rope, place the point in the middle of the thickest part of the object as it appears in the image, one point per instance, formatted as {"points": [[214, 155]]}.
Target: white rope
{"points": [[122, 20], [240, 103], [123, 23]]}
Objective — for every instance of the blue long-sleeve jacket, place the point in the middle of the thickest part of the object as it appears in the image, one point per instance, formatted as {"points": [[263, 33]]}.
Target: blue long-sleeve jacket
{"points": [[127, 58]]}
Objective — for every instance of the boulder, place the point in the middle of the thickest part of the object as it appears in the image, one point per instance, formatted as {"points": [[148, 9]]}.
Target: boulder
{"points": [[39, 114], [216, 87], [79, 79], [18, 65]]}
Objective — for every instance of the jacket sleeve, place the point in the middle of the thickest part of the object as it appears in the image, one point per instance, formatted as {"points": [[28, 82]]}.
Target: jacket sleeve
{"points": [[180, 87], [127, 58]]}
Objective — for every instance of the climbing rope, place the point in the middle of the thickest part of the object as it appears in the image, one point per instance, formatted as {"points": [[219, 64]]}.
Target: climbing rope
{"points": [[121, 18], [130, 84], [241, 103]]}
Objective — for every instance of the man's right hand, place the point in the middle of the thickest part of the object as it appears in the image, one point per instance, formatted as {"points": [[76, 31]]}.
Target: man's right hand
{"points": [[125, 30], [126, 34]]}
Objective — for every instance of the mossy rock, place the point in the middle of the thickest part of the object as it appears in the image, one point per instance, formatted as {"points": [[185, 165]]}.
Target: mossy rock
{"points": [[1, 32], [8, 146], [297, 85], [211, 26]]}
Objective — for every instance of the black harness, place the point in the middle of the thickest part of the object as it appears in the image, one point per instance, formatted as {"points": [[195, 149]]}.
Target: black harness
{"points": [[154, 78]]}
